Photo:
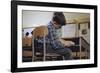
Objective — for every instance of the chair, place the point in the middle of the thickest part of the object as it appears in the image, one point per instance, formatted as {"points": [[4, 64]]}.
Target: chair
{"points": [[41, 33]]}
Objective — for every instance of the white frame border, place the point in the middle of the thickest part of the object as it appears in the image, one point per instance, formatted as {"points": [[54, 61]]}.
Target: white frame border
{"points": [[52, 63]]}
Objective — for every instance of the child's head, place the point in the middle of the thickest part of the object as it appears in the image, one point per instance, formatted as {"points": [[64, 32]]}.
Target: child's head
{"points": [[58, 19], [27, 33]]}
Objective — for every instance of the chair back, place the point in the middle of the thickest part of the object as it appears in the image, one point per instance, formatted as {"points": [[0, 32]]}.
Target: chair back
{"points": [[40, 31]]}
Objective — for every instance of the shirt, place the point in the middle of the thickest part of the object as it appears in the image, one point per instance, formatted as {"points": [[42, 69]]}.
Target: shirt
{"points": [[58, 32], [53, 38]]}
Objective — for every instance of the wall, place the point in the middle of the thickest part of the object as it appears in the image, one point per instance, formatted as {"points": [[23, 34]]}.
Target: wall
{"points": [[5, 37], [36, 18], [69, 31]]}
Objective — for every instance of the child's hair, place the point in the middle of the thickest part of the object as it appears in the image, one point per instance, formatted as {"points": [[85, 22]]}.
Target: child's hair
{"points": [[27, 33], [59, 18], [32, 33]]}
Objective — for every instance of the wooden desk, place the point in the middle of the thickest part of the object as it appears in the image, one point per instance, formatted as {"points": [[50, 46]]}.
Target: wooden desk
{"points": [[78, 47]]}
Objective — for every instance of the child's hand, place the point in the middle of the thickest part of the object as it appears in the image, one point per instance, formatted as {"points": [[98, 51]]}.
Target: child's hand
{"points": [[67, 43]]}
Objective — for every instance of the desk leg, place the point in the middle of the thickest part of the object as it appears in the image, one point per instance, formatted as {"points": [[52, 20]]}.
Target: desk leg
{"points": [[80, 49]]}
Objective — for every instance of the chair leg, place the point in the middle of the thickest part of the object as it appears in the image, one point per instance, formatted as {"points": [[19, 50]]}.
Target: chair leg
{"points": [[44, 48]]}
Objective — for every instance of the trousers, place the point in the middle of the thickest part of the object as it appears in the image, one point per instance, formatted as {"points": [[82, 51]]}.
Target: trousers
{"points": [[66, 52]]}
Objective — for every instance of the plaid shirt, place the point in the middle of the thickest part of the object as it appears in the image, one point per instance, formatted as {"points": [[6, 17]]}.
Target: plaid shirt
{"points": [[53, 38]]}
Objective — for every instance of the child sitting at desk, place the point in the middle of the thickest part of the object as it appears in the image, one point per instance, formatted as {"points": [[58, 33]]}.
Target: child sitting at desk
{"points": [[58, 44]]}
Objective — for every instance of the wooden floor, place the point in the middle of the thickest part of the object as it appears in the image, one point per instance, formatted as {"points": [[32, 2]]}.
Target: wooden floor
{"points": [[27, 56]]}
